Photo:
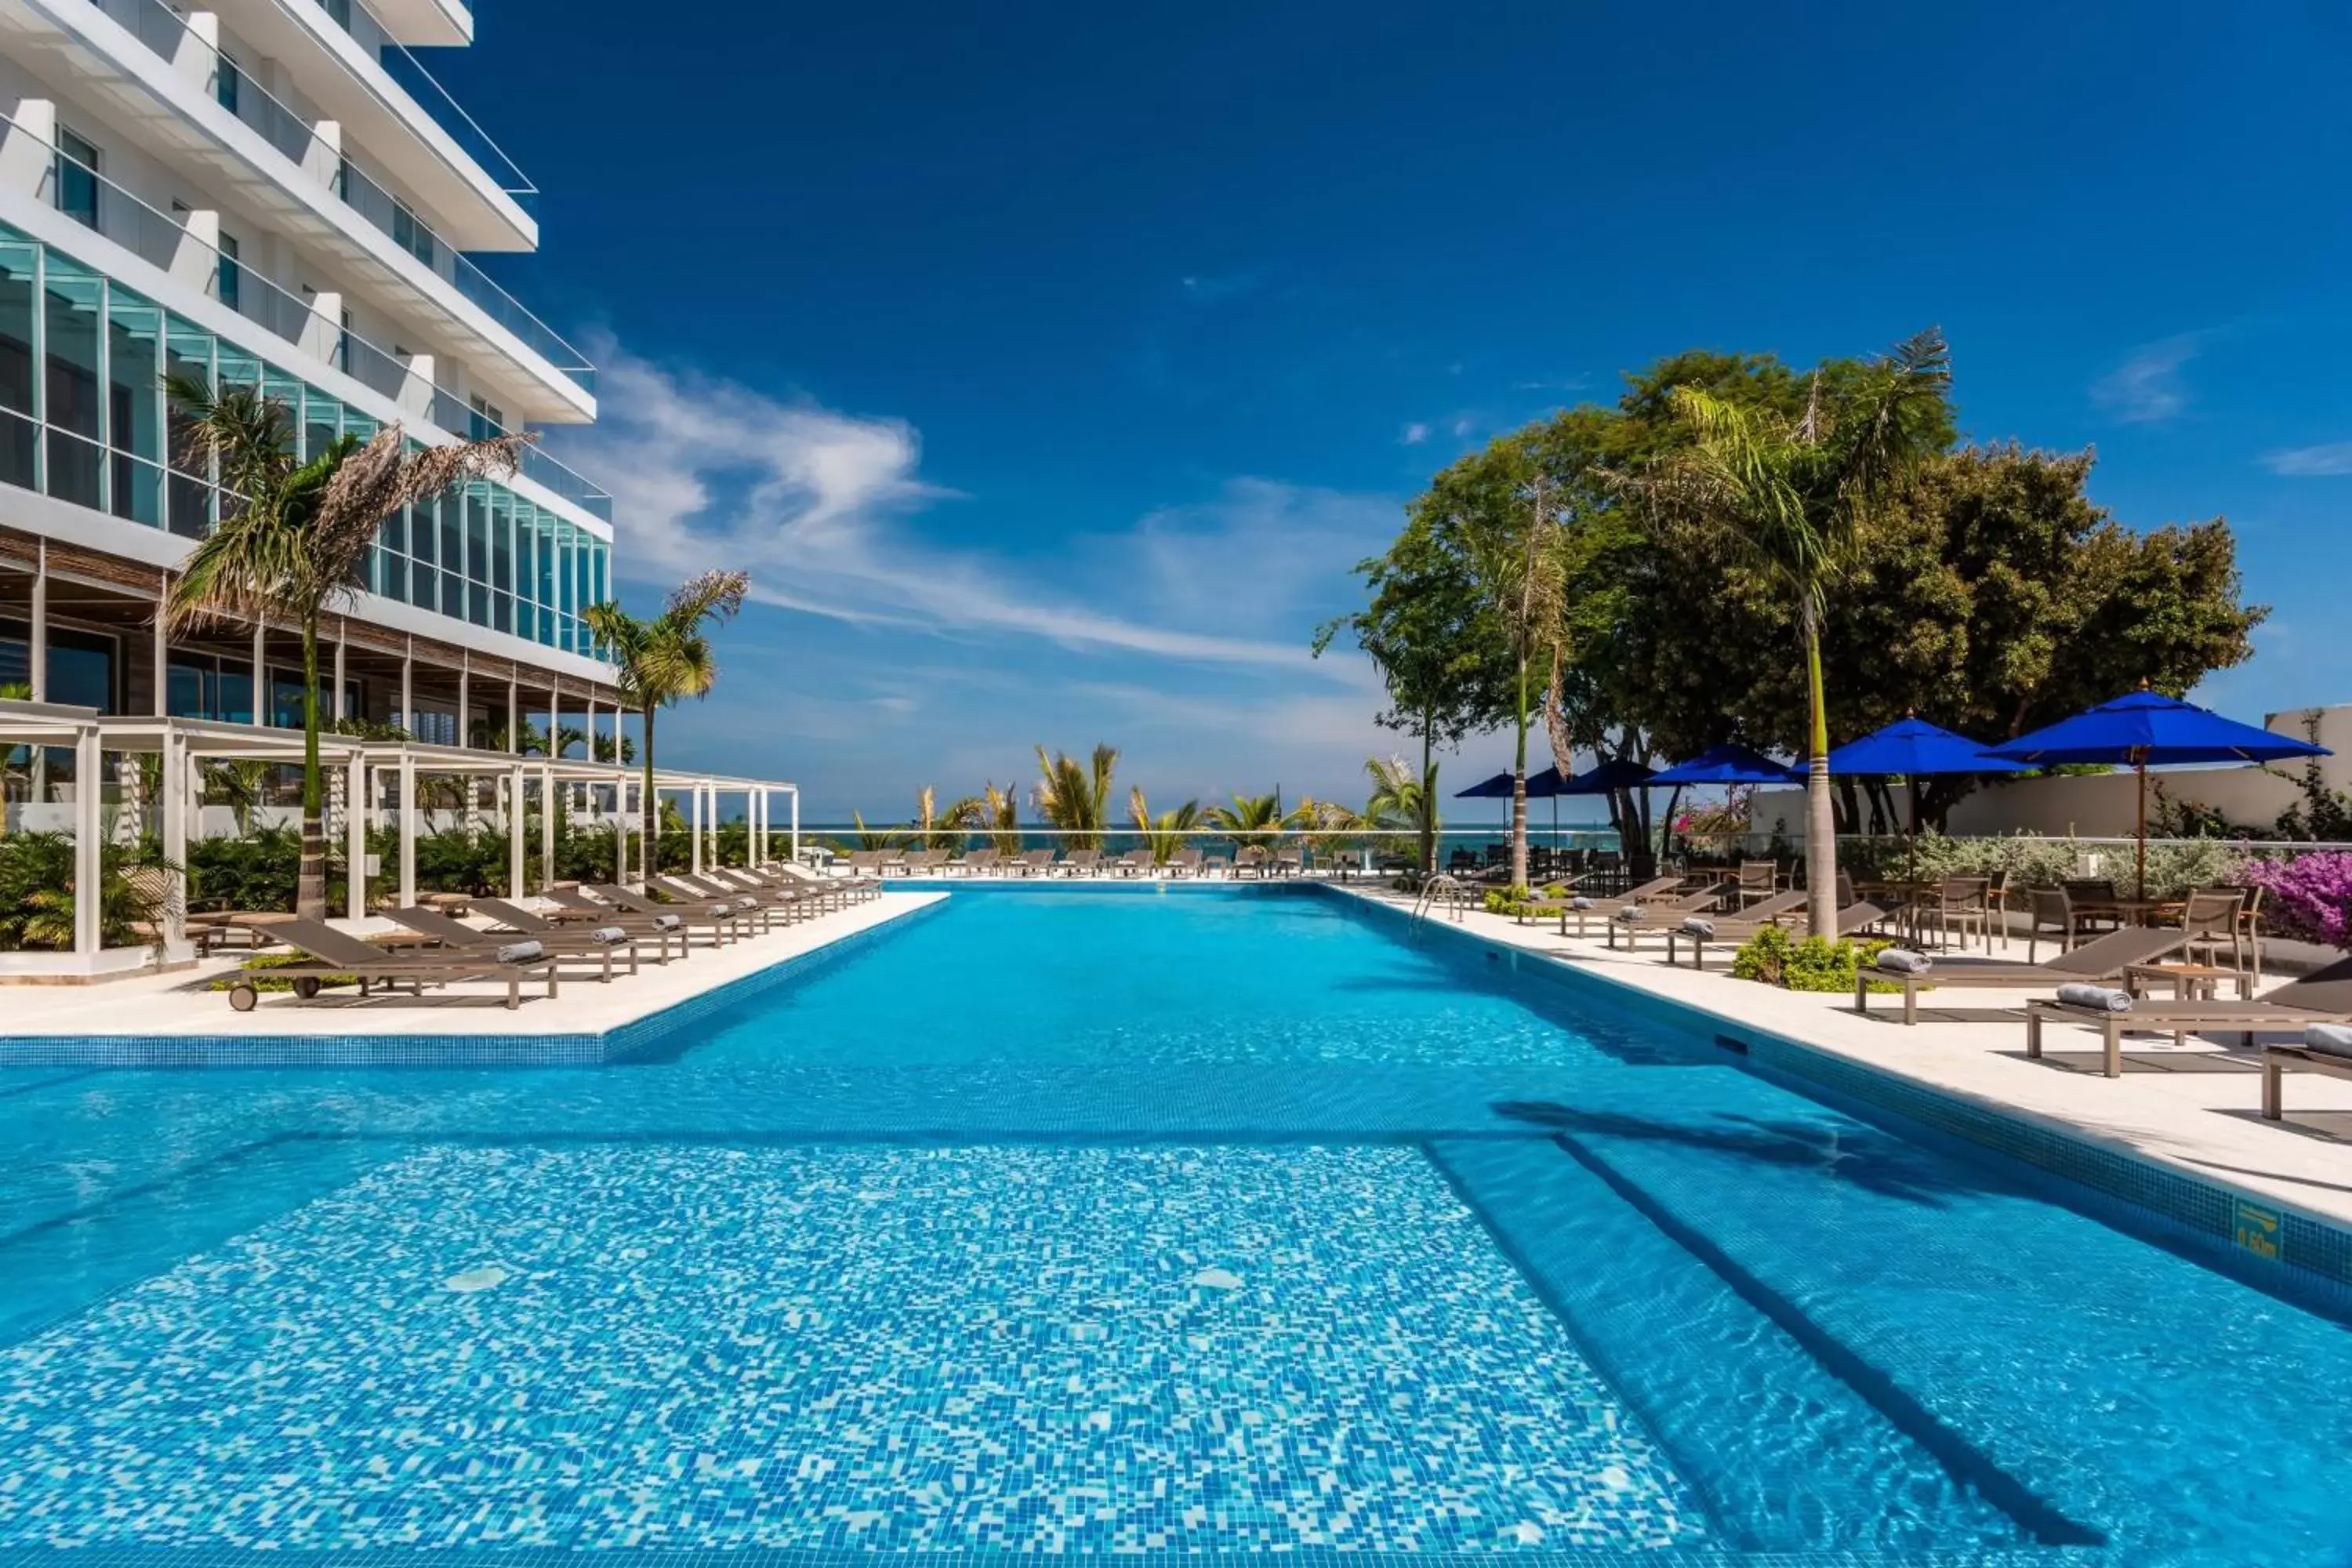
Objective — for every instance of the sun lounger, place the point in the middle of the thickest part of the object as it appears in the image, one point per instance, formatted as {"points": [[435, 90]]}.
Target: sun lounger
{"points": [[730, 882], [1737, 929], [1584, 911], [1544, 908], [2324, 996], [573, 904], [1187, 862], [519, 922], [2102, 960], [331, 954], [724, 923], [789, 873], [457, 936], [1662, 914], [814, 896], [686, 890], [983, 859], [1134, 863], [1082, 862], [2322, 1051]]}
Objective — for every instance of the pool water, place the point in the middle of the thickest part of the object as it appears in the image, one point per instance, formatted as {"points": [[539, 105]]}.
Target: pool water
{"points": [[1120, 1220]]}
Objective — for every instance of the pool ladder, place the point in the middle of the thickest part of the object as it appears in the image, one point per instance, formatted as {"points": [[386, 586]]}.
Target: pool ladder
{"points": [[1439, 891]]}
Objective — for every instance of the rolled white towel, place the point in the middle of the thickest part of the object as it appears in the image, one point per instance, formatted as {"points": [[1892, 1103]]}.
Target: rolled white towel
{"points": [[1698, 925], [1630, 912], [1903, 961], [667, 922], [2101, 998], [609, 936], [747, 902], [2328, 1039], [1580, 902], [522, 952], [722, 912]]}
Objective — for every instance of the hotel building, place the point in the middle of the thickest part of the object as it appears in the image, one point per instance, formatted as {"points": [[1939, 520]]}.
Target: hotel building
{"points": [[276, 192]]}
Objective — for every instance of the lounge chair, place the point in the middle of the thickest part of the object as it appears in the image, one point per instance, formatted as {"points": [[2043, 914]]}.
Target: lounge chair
{"points": [[724, 923], [2324, 996], [1037, 862], [1584, 911], [1736, 930], [2104, 959], [687, 890], [816, 894], [1562, 906], [923, 862], [573, 905], [1082, 862], [332, 953], [1662, 914], [1134, 863], [517, 920], [2325, 1056], [983, 859], [458, 937], [1252, 858], [795, 902], [1186, 862]]}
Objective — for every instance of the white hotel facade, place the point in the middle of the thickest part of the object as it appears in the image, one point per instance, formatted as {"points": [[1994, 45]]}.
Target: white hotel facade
{"points": [[275, 192]]}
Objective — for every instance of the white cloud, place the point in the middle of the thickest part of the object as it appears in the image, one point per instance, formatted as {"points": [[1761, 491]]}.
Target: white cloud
{"points": [[1415, 435], [1463, 425], [2147, 387], [813, 502], [2324, 462]]}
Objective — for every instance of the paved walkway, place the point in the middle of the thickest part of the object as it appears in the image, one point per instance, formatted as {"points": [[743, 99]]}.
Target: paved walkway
{"points": [[2197, 1107], [182, 1004]]}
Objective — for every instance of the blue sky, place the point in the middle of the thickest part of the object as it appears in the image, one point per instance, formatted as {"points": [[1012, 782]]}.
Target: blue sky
{"points": [[1049, 366]]}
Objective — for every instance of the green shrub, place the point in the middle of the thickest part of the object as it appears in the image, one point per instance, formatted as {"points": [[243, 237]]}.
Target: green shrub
{"points": [[1517, 901], [1777, 957], [36, 893], [262, 962]]}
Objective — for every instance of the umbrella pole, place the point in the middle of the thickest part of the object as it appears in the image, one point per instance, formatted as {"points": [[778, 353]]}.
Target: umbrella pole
{"points": [[2140, 767]]}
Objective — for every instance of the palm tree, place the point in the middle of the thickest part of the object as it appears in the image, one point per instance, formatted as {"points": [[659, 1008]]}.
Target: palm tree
{"points": [[1000, 813], [1516, 557], [1163, 835], [1250, 818], [668, 657], [1075, 797], [1798, 494], [294, 542], [1400, 801]]}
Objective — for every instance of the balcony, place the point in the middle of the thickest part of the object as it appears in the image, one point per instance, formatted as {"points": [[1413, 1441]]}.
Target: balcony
{"points": [[314, 180], [97, 205]]}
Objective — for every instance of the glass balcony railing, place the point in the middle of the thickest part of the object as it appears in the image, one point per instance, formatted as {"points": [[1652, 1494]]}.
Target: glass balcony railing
{"points": [[409, 74], [167, 244], [165, 32]]}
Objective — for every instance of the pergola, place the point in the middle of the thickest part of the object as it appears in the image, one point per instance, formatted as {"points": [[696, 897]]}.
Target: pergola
{"points": [[359, 769]]}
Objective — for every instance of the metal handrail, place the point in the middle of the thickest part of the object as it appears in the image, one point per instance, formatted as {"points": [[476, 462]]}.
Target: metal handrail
{"points": [[167, 33], [159, 240]]}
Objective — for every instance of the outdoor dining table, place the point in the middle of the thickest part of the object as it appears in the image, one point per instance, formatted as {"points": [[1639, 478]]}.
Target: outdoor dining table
{"points": [[2128, 911], [1905, 897]]}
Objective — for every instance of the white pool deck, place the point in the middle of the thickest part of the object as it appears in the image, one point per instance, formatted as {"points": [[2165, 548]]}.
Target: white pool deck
{"points": [[2195, 1107], [2198, 1107], [183, 1005]]}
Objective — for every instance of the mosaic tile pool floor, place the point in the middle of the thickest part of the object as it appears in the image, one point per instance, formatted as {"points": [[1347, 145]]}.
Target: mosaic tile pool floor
{"points": [[952, 1250]]}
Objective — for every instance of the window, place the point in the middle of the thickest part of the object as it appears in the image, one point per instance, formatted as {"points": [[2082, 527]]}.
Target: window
{"points": [[231, 273], [226, 81], [410, 235], [76, 178], [485, 419]]}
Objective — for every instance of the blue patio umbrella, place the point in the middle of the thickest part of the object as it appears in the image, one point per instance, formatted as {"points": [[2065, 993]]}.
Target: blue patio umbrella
{"points": [[1728, 765], [1544, 785], [1916, 749], [1609, 776], [2144, 729]]}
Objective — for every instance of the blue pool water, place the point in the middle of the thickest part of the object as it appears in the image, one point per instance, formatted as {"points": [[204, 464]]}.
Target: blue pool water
{"points": [[1073, 1221]]}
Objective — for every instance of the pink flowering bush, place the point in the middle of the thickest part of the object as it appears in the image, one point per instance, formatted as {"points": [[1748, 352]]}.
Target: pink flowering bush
{"points": [[2308, 897]]}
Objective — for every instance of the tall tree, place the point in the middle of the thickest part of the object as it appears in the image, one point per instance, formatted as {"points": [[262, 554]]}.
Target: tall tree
{"points": [[1440, 649], [1796, 495], [293, 540], [668, 657]]}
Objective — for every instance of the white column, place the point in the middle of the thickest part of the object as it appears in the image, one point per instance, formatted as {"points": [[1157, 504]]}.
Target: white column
{"points": [[407, 690], [621, 835], [589, 728], [546, 828], [159, 652], [757, 801], [465, 707], [29, 152], [324, 331], [694, 822], [198, 55], [616, 736], [340, 708], [260, 675], [37, 654], [514, 834], [88, 853], [793, 795], [407, 829], [176, 842], [356, 811], [195, 255], [514, 717]]}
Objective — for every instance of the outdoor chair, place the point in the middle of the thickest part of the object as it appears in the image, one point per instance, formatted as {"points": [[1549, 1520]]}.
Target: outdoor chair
{"points": [[1037, 863], [2210, 918], [1960, 906], [456, 936], [2324, 996], [1663, 914], [1187, 862], [519, 922], [332, 955], [1736, 930], [1759, 881], [2101, 960], [685, 891], [1082, 863], [1250, 859], [2094, 900], [983, 859], [723, 921], [2051, 912]]}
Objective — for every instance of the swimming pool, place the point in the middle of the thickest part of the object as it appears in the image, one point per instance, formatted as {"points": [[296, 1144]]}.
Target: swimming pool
{"points": [[1062, 1220]]}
